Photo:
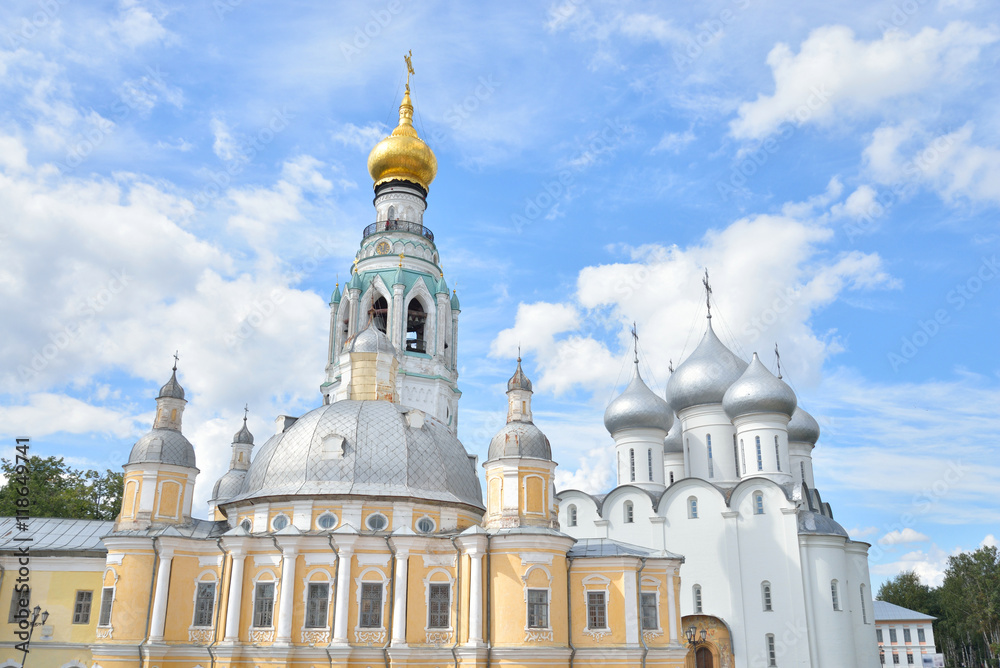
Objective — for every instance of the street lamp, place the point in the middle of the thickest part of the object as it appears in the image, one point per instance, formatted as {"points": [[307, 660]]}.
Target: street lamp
{"points": [[34, 622], [695, 637]]}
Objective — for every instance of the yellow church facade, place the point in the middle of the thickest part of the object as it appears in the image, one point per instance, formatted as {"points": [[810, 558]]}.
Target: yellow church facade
{"points": [[357, 534]]}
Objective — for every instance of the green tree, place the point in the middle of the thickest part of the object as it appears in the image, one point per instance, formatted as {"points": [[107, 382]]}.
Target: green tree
{"points": [[54, 489], [906, 590], [970, 602]]}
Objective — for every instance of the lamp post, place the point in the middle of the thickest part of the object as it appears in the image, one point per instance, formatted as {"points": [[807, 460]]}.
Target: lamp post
{"points": [[694, 637], [31, 629]]}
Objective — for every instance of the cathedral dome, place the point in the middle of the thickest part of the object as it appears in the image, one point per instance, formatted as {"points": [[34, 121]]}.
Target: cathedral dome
{"points": [[758, 391], [803, 427], [403, 155], [163, 446], [371, 340], [705, 375], [673, 444], [370, 448], [172, 389], [520, 439], [519, 381], [243, 435], [229, 484], [638, 407]]}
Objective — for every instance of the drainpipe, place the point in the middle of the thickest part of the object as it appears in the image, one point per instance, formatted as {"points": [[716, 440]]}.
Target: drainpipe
{"points": [[458, 599], [569, 611], [333, 594], [392, 606], [149, 606], [638, 588], [218, 608]]}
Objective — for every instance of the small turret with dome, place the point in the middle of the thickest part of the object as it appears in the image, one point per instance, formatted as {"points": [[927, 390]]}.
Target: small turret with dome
{"points": [[803, 433], [758, 391], [231, 482]]}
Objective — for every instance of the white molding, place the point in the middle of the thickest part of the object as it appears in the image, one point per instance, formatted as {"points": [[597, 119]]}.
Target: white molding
{"points": [[114, 559], [369, 559], [319, 558], [210, 561], [266, 559], [442, 560], [536, 558]]}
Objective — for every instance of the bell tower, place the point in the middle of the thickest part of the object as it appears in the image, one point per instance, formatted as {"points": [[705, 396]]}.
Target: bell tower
{"points": [[397, 284]]}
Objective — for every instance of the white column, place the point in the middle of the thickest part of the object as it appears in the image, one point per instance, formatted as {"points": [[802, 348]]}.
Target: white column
{"points": [[631, 609], [399, 598], [235, 597], [284, 635], [671, 608], [159, 618], [343, 587], [475, 598]]}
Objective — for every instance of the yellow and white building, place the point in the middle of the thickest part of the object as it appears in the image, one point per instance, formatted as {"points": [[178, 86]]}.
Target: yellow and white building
{"points": [[357, 534]]}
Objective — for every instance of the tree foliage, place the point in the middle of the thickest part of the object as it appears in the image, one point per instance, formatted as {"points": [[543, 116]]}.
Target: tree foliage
{"points": [[967, 606], [57, 490]]}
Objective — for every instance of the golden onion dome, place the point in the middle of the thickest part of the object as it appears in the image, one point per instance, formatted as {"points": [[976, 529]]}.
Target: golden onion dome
{"points": [[403, 155]]}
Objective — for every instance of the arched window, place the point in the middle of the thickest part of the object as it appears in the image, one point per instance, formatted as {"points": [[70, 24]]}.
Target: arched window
{"points": [[631, 464], [758, 503], [692, 508], [835, 594], [392, 213], [696, 593], [416, 321], [864, 612], [380, 313], [765, 596], [711, 464], [671, 477], [760, 456], [777, 454], [571, 511], [743, 455], [772, 655], [629, 512], [649, 461]]}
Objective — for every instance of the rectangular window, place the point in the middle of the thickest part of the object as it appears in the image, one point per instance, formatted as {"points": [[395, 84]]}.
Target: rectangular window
{"points": [[107, 598], [760, 456], [743, 455], [772, 655], [597, 617], [649, 459], [777, 454], [204, 604], [878, 634], [711, 465], [631, 465], [263, 605], [439, 606], [317, 603], [892, 635], [906, 635], [909, 658], [81, 609], [736, 455], [371, 605], [20, 599], [538, 609], [895, 658], [921, 636], [835, 595], [802, 471], [650, 618]]}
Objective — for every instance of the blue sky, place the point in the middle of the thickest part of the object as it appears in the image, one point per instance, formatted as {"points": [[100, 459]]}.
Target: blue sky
{"points": [[191, 175]]}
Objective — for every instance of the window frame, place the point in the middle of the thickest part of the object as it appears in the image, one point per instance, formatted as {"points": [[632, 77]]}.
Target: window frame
{"points": [[322, 516], [698, 599], [652, 607], [256, 609], [692, 507], [777, 454], [79, 616], [760, 454], [766, 598], [631, 464], [199, 603], [772, 653], [110, 593], [628, 511], [15, 607], [597, 610], [758, 503], [314, 605], [571, 515], [835, 595], [366, 622], [444, 609], [534, 607]]}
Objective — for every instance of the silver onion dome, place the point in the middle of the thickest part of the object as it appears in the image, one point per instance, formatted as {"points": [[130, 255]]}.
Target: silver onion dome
{"points": [[163, 446], [519, 381], [228, 485], [673, 444], [758, 391], [520, 439], [172, 389], [803, 427], [705, 375], [243, 435], [371, 340], [638, 407]]}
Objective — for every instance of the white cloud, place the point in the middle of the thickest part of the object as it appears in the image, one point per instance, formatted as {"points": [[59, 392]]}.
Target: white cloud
{"points": [[46, 413], [673, 142], [136, 26], [835, 74], [903, 537], [990, 541], [859, 204], [360, 137], [225, 145], [859, 532], [930, 565], [650, 26]]}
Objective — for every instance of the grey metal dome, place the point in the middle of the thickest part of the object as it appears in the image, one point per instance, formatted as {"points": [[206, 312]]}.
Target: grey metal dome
{"points": [[520, 439], [638, 407], [172, 389], [163, 446], [371, 340], [243, 435], [705, 375], [228, 485], [519, 381], [758, 391], [370, 448], [803, 427], [673, 444]]}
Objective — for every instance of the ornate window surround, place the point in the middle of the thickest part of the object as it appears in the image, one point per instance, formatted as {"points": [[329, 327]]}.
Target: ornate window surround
{"points": [[105, 631], [203, 634], [651, 585], [537, 633], [439, 635], [259, 634], [603, 584], [316, 634], [371, 635], [524, 491]]}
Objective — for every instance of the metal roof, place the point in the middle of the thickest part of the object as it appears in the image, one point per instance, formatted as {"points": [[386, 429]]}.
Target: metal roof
{"points": [[605, 547], [55, 534], [890, 612]]}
